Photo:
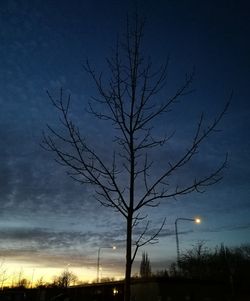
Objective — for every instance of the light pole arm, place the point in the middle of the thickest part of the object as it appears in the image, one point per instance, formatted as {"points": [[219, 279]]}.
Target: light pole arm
{"points": [[98, 260], [185, 219], [196, 220], [177, 237]]}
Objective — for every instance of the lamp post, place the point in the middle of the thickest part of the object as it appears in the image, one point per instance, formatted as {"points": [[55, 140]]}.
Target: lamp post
{"points": [[196, 220], [98, 260]]}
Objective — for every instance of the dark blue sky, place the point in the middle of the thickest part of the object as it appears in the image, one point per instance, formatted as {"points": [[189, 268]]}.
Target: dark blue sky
{"points": [[49, 221]]}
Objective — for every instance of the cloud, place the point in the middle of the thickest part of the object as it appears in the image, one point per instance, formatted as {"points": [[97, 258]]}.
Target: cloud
{"points": [[44, 247], [238, 227], [43, 238]]}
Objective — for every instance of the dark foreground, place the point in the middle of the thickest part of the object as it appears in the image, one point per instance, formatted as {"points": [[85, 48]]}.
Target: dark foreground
{"points": [[155, 289]]}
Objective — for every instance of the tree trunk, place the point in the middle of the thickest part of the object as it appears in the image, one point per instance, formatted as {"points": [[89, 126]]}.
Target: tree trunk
{"points": [[127, 290]]}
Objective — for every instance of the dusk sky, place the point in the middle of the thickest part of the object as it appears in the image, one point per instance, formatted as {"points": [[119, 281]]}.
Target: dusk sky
{"points": [[49, 222]]}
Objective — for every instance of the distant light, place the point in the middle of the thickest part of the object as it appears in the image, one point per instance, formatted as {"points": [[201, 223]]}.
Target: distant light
{"points": [[197, 220], [114, 247], [115, 291]]}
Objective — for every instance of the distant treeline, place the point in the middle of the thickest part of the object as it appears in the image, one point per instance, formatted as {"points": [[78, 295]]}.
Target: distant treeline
{"points": [[222, 264]]}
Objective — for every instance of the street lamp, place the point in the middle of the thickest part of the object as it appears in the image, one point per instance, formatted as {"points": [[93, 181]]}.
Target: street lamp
{"points": [[98, 260], [196, 220]]}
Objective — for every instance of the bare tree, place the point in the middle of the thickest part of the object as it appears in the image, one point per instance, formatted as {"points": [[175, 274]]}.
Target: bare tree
{"points": [[228, 264], [65, 279], [128, 102], [3, 274], [40, 283]]}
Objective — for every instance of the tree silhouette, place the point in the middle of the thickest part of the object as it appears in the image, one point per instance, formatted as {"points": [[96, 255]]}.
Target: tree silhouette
{"points": [[128, 183], [145, 267], [65, 279], [194, 263], [223, 264]]}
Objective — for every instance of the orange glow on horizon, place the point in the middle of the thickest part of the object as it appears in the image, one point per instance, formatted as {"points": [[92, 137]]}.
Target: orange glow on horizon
{"points": [[12, 272]]}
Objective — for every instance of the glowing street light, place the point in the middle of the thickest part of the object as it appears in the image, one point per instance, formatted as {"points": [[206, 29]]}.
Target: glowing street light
{"points": [[196, 220], [98, 260]]}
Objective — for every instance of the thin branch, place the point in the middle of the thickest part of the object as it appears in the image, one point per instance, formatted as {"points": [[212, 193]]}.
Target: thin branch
{"points": [[152, 239]]}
